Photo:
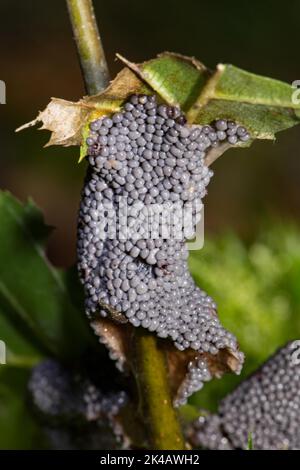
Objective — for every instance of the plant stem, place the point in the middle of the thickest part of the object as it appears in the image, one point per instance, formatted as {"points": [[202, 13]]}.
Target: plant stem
{"points": [[164, 428], [89, 46]]}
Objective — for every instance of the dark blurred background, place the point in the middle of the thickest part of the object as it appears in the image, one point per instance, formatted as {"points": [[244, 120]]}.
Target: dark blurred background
{"points": [[38, 61]]}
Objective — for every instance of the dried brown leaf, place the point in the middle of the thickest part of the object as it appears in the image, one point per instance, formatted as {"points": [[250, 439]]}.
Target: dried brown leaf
{"points": [[116, 337], [226, 360]]}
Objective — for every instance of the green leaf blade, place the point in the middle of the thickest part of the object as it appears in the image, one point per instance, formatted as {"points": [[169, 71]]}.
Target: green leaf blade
{"points": [[261, 121], [236, 84], [261, 104], [177, 79], [20, 350], [33, 289]]}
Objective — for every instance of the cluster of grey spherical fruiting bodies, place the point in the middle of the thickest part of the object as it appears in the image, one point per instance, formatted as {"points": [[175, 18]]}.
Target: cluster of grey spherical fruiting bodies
{"points": [[146, 157], [266, 406], [60, 395]]}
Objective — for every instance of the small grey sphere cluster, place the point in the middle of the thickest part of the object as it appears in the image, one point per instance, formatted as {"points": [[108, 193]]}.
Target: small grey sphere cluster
{"points": [[60, 395], [197, 374], [265, 406], [149, 157], [207, 432]]}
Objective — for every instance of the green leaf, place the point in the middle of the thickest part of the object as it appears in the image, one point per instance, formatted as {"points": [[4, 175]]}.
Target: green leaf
{"points": [[263, 105], [177, 79], [20, 350], [31, 289]]}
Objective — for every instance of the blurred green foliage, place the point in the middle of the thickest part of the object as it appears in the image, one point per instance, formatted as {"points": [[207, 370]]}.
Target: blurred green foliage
{"points": [[257, 288], [41, 314], [18, 430]]}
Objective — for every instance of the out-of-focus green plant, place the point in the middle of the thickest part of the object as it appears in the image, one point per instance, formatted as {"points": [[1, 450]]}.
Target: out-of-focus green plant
{"points": [[38, 316], [257, 288]]}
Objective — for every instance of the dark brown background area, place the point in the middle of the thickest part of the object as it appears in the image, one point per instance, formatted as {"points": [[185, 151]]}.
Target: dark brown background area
{"points": [[38, 61]]}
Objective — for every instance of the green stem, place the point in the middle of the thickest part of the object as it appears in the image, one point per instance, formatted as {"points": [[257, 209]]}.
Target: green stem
{"points": [[162, 421], [165, 432], [89, 46]]}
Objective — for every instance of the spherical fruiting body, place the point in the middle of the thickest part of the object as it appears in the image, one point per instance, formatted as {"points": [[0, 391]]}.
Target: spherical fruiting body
{"points": [[264, 407], [59, 394]]}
